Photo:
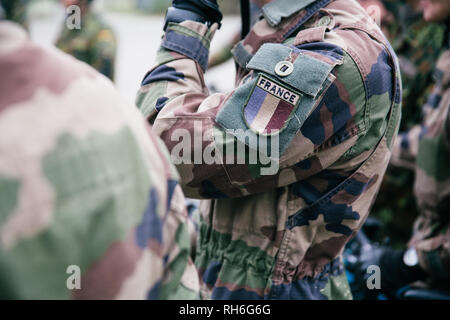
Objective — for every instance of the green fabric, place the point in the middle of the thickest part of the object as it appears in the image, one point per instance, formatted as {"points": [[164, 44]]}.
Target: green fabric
{"points": [[94, 43], [189, 33], [308, 75], [171, 289], [8, 197], [164, 56], [148, 100], [88, 215], [254, 264], [377, 125], [183, 293], [310, 81], [433, 158]]}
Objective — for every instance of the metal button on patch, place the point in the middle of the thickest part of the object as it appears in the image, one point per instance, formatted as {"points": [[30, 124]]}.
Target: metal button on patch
{"points": [[284, 68], [324, 21]]}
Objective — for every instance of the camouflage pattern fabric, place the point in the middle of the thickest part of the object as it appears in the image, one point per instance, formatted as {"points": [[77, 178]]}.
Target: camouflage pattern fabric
{"points": [[426, 149], [280, 236], [83, 182], [94, 43], [16, 10], [418, 45]]}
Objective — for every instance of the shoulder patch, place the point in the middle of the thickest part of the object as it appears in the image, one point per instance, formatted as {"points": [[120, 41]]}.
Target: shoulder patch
{"points": [[270, 106], [287, 84]]}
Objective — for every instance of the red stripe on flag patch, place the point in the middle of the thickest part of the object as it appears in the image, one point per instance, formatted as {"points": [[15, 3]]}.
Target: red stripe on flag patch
{"points": [[280, 116]]}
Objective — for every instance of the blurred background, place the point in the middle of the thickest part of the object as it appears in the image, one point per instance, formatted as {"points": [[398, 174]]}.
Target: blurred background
{"points": [[137, 25]]}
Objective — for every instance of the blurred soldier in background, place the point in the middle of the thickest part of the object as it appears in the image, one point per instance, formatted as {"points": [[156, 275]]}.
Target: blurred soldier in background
{"points": [[319, 78], [94, 43], [16, 10], [84, 184], [417, 44], [426, 149]]}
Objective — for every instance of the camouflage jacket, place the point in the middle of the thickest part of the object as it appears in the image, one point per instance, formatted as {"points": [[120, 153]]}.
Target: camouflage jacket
{"points": [[426, 148], [16, 10], [418, 45], [84, 183], [94, 43], [318, 86]]}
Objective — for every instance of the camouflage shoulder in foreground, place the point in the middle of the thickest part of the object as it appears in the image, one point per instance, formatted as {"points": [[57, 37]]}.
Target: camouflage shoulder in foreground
{"points": [[292, 158], [84, 184]]}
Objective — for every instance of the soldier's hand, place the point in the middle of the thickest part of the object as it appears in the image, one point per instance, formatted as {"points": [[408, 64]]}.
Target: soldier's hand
{"points": [[208, 9]]}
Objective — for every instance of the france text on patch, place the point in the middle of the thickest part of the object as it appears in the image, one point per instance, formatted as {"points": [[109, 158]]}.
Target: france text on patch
{"points": [[270, 106]]}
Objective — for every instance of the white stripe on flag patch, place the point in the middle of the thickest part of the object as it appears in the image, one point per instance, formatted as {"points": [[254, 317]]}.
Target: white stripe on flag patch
{"points": [[265, 113]]}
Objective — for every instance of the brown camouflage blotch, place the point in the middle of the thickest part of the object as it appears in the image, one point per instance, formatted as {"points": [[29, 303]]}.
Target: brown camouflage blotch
{"points": [[105, 277]]}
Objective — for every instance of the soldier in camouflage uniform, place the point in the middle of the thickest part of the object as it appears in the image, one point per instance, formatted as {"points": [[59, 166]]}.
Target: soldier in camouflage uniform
{"points": [[15, 10], [83, 182], [425, 148], [94, 43], [417, 44], [320, 78]]}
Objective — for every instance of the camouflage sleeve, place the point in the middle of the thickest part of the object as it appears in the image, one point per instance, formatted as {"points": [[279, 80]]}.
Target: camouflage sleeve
{"points": [[179, 279], [94, 210], [283, 128], [406, 146], [104, 53], [431, 233]]}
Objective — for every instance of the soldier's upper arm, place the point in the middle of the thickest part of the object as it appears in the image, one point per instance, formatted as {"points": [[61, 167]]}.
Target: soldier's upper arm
{"points": [[299, 111], [309, 119], [307, 104]]}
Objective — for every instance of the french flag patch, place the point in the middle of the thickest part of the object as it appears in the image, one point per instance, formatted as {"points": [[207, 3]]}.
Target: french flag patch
{"points": [[270, 106]]}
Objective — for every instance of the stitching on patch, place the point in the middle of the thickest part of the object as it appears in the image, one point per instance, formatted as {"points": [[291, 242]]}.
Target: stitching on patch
{"points": [[285, 125]]}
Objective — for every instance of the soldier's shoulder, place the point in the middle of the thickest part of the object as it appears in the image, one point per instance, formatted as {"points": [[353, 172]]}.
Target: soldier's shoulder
{"points": [[367, 77]]}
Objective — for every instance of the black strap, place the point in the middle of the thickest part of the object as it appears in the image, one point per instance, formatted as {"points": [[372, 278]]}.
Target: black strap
{"points": [[245, 18]]}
